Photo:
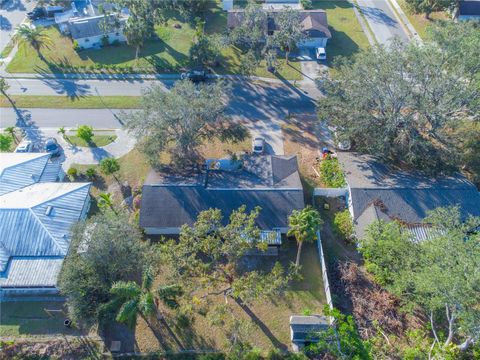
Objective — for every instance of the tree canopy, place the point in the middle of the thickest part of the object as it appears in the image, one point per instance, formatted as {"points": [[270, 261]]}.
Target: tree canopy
{"points": [[428, 6], [98, 258], [440, 274], [207, 258], [181, 119], [402, 102]]}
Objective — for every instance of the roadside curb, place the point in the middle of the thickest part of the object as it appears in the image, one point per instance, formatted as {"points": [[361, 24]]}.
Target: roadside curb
{"points": [[404, 21], [364, 25]]}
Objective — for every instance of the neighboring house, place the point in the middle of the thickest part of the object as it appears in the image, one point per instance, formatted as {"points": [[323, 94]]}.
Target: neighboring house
{"points": [[88, 32], [467, 10], [228, 4], [270, 182], [36, 214], [314, 23], [305, 330], [376, 192]]}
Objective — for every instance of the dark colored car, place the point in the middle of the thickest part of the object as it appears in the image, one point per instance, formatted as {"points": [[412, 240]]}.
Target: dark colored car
{"points": [[194, 75], [52, 147], [37, 13]]}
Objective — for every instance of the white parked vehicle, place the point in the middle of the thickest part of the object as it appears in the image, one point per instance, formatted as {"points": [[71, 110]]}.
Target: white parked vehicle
{"points": [[258, 145], [25, 146], [320, 54]]}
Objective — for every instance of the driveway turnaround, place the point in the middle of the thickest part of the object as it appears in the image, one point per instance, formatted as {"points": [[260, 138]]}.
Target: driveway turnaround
{"points": [[12, 13], [382, 20]]}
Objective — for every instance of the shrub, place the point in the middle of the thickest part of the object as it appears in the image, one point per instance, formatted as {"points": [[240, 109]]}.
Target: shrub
{"points": [[5, 142], [343, 225], [109, 166], [105, 41], [331, 172], [76, 47], [307, 4], [115, 43], [91, 172], [72, 173], [85, 133]]}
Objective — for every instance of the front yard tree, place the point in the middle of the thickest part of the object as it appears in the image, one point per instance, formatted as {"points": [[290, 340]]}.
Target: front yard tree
{"points": [[401, 103], [11, 130], [105, 249], [85, 133], [179, 120], [206, 50], [105, 201], [304, 225], [109, 166], [290, 30], [36, 37], [428, 6], [207, 258]]}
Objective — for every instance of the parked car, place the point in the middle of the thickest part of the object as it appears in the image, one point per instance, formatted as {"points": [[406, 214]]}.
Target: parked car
{"points": [[25, 146], [320, 54], [258, 145], [52, 147], [194, 75], [36, 13]]}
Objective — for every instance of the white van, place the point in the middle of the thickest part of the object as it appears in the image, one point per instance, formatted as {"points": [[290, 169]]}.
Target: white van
{"points": [[320, 54]]}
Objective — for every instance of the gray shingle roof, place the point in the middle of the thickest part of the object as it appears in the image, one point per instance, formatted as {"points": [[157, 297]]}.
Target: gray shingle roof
{"points": [[271, 182], [306, 328], [379, 192], [469, 7]]}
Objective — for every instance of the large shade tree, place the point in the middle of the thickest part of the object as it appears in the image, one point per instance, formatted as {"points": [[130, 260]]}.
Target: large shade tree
{"points": [[207, 258], [402, 102], [440, 274], [181, 119], [98, 258], [289, 30]]}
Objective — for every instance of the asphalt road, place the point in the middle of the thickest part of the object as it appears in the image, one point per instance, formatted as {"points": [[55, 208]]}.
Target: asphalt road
{"points": [[382, 20], [12, 14]]}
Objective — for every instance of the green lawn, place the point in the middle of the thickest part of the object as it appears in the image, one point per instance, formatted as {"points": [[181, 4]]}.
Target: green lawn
{"points": [[347, 34], [97, 140], [24, 318], [65, 102], [418, 20]]}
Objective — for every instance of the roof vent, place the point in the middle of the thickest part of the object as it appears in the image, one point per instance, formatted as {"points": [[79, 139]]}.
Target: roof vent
{"points": [[49, 210]]}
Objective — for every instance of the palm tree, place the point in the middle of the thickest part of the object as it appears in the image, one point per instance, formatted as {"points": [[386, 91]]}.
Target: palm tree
{"points": [[36, 37], [11, 130], [105, 201], [304, 225], [63, 132], [3, 90], [132, 300]]}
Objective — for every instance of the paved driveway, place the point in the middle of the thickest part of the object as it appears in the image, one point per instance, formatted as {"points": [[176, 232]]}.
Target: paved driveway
{"points": [[12, 13], [382, 20]]}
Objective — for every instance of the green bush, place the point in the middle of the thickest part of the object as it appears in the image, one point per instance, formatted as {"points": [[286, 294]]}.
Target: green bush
{"points": [[307, 4], [105, 41], [343, 225], [72, 173], [91, 172], [85, 133], [76, 47], [331, 173], [5, 142], [109, 166]]}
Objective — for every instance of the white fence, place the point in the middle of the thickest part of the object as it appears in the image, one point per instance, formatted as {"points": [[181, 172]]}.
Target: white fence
{"points": [[326, 283]]}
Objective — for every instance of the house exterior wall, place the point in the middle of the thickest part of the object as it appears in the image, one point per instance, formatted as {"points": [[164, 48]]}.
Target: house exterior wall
{"points": [[95, 41], [468, 17], [162, 231]]}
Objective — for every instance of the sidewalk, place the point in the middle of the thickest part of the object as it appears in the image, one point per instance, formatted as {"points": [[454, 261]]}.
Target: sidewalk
{"points": [[405, 21]]}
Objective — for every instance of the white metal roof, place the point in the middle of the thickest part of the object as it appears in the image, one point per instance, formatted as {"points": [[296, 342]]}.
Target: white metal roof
{"points": [[32, 272], [18, 170]]}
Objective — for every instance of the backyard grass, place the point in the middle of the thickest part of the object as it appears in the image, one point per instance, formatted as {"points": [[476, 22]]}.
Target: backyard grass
{"points": [[26, 318], [7, 50], [65, 102], [348, 37], [418, 20], [97, 140], [269, 319]]}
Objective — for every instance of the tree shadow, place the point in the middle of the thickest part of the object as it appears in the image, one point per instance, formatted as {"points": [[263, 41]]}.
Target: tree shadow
{"points": [[13, 5], [5, 24], [331, 4], [262, 326]]}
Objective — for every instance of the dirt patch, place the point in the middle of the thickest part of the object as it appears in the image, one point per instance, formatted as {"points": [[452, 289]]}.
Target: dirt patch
{"points": [[58, 349]]}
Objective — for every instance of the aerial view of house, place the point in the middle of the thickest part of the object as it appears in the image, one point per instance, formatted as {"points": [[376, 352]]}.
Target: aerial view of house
{"points": [[240, 179]]}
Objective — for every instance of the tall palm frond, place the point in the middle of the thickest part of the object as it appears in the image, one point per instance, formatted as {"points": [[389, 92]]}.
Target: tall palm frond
{"points": [[128, 313], [36, 37]]}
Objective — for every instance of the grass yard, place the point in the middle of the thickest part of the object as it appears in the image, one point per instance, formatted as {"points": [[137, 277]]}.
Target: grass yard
{"points": [[97, 140], [27, 318], [269, 319], [7, 50], [65, 102], [348, 37], [418, 20]]}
